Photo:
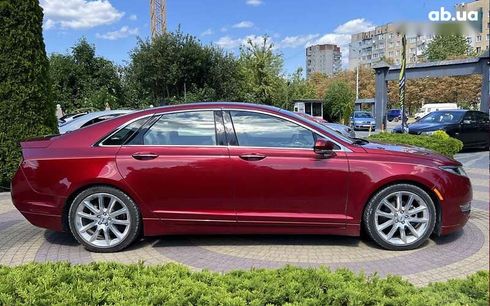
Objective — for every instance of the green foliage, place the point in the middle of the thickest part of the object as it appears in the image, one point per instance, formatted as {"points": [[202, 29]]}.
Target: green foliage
{"points": [[83, 80], [339, 100], [110, 283], [440, 141], [444, 47], [26, 107], [260, 71], [177, 68]]}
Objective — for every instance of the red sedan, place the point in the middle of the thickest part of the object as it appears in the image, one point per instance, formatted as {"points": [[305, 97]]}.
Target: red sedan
{"points": [[233, 168]]}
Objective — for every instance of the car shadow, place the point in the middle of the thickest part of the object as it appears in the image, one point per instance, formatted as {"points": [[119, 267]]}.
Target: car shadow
{"points": [[256, 240], [442, 240]]}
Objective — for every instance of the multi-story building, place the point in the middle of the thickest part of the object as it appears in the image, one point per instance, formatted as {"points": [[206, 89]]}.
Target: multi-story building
{"points": [[480, 40], [326, 59], [384, 43]]}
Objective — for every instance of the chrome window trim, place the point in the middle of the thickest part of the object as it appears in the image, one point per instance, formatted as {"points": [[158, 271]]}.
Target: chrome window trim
{"points": [[342, 147]]}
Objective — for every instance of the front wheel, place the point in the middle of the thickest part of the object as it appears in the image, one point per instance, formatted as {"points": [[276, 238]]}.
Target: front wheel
{"points": [[104, 219], [400, 217]]}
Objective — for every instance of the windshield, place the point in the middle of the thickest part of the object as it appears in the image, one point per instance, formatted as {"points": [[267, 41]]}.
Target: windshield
{"points": [[320, 126], [442, 117], [362, 115]]}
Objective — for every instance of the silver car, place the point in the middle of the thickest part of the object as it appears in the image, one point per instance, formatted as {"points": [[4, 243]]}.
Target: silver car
{"points": [[89, 119], [339, 128]]}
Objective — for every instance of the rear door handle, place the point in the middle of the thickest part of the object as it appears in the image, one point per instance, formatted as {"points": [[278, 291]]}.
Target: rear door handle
{"points": [[252, 157], [144, 156]]}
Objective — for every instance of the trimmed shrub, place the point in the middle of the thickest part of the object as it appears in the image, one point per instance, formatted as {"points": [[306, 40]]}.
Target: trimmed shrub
{"points": [[26, 109], [111, 283], [440, 141]]}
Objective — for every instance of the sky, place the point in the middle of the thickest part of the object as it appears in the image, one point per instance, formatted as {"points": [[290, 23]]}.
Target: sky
{"points": [[114, 26]]}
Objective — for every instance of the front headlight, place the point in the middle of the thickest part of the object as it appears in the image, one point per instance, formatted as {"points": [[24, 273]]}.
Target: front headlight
{"points": [[458, 170], [428, 133]]}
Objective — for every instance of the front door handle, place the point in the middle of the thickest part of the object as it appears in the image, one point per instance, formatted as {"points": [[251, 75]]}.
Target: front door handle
{"points": [[144, 156], [252, 157]]}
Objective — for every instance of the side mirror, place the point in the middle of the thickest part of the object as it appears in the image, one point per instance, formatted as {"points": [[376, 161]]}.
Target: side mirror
{"points": [[324, 147]]}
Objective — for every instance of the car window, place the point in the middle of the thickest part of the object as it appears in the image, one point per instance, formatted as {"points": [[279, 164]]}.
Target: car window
{"points": [[125, 134], [482, 117], [187, 128], [442, 117], [362, 115], [261, 130], [100, 119]]}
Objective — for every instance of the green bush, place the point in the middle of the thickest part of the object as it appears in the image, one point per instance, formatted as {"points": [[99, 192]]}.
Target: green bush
{"points": [[111, 283], [440, 141], [26, 109]]}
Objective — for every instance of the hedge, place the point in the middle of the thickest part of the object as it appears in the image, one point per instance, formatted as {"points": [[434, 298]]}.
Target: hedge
{"points": [[26, 107], [440, 141], [171, 284]]}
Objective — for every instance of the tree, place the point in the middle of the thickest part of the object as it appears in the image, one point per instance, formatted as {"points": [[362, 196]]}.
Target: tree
{"points": [[82, 79], [26, 107], [444, 47], [261, 71], [339, 100], [176, 68]]}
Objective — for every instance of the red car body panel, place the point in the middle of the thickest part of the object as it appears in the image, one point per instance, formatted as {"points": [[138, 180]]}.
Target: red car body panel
{"points": [[211, 189]]}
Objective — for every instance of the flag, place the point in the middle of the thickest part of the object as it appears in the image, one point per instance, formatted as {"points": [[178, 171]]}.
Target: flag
{"points": [[402, 79]]}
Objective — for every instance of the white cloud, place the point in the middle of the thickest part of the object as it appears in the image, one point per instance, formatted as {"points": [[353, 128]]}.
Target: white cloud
{"points": [[226, 42], [207, 32], [297, 41], [254, 2], [121, 33], [354, 26], [79, 14], [224, 29], [342, 34], [133, 17], [243, 25]]}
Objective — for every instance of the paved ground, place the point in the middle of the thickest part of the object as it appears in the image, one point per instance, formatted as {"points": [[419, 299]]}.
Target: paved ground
{"points": [[441, 258]]}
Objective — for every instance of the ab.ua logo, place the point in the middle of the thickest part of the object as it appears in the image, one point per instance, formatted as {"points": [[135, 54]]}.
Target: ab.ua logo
{"points": [[443, 15]]}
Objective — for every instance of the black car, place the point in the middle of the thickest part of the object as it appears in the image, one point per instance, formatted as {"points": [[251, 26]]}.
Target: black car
{"points": [[471, 127]]}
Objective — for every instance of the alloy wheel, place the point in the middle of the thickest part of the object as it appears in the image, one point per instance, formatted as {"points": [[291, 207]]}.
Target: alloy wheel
{"points": [[102, 220], [402, 218]]}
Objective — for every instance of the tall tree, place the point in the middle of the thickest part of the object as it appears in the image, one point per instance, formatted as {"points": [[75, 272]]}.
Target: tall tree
{"points": [[81, 79], [261, 72], [26, 107], [175, 68], [444, 47], [339, 100]]}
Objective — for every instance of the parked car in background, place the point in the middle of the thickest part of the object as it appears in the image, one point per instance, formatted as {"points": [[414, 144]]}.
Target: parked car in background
{"points": [[234, 168], [394, 115], [89, 119], [340, 128], [471, 127], [432, 107], [361, 120], [67, 118]]}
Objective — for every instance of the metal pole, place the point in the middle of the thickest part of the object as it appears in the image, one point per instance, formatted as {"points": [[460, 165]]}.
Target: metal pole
{"points": [[402, 80]]}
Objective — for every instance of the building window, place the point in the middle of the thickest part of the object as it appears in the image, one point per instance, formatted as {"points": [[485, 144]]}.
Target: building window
{"points": [[488, 37], [478, 38]]}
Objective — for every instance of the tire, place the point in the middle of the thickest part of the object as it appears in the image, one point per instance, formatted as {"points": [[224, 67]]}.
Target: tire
{"points": [[378, 215], [106, 229]]}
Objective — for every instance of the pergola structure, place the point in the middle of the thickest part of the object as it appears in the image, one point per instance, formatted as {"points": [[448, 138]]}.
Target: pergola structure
{"points": [[385, 73]]}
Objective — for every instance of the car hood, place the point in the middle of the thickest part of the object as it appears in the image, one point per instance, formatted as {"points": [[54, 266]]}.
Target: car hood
{"points": [[408, 151], [364, 119]]}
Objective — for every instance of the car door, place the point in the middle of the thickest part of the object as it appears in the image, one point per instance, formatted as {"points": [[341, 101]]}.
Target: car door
{"points": [[469, 129], [278, 179], [483, 123], [179, 167]]}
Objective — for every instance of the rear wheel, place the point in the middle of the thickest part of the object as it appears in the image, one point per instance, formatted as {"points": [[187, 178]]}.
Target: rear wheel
{"points": [[104, 219], [400, 217]]}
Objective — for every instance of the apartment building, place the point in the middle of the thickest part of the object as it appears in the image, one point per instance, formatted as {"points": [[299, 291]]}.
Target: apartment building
{"points": [[326, 59], [481, 39], [384, 43]]}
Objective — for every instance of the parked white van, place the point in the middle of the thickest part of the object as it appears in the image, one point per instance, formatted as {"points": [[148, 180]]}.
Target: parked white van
{"points": [[432, 107]]}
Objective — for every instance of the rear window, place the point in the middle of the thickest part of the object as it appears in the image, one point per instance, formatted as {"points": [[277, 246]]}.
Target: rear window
{"points": [[125, 134]]}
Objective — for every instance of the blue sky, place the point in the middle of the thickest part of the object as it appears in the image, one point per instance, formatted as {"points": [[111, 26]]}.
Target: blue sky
{"points": [[114, 25]]}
